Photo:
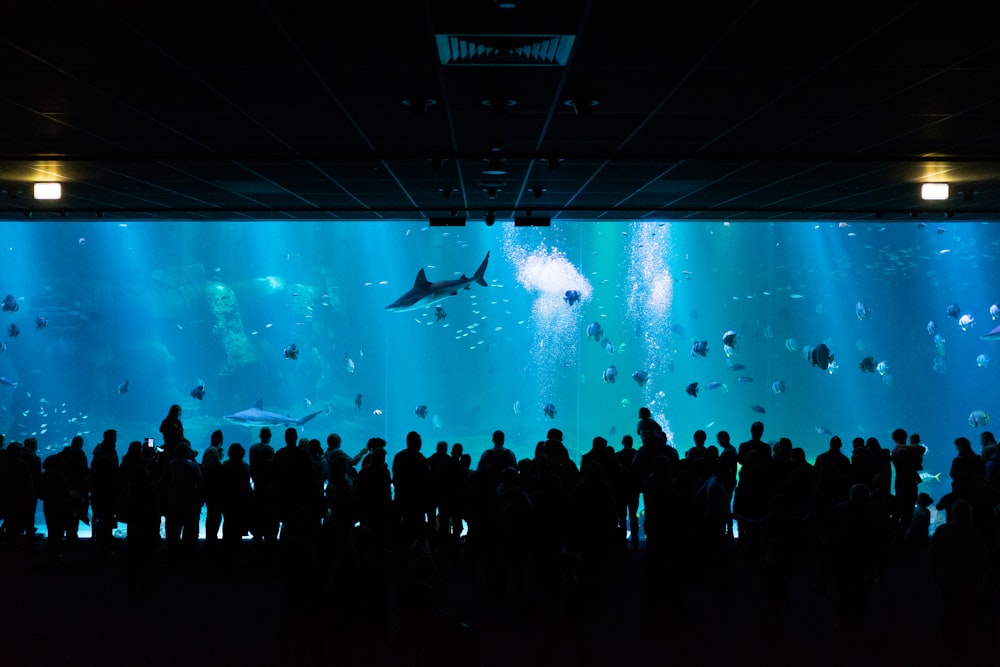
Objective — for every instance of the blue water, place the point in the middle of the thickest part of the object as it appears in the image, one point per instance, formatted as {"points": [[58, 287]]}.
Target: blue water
{"points": [[146, 302]]}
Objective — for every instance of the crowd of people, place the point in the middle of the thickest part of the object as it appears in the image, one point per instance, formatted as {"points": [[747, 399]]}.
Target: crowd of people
{"points": [[536, 522]]}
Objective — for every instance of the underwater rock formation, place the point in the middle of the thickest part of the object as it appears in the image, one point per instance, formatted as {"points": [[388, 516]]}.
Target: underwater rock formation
{"points": [[176, 290], [228, 327]]}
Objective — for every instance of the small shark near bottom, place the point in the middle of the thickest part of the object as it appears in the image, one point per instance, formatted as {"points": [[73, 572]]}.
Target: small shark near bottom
{"points": [[258, 416]]}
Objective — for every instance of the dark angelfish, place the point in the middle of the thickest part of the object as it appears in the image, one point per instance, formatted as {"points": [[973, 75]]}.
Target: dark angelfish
{"points": [[439, 313], [292, 351], [699, 348], [954, 311], [867, 365], [199, 391], [549, 410], [862, 311], [13, 331], [41, 322], [123, 388], [640, 377], [10, 304], [778, 386], [357, 401], [820, 356], [729, 338], [692, 390], [421, 411], [759, 409], [610, 375], [571, 296], [595, 331]]}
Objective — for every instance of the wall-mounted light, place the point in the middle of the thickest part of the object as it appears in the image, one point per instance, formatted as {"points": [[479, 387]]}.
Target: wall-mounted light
{"points": [[934, 191], [48, 190]]}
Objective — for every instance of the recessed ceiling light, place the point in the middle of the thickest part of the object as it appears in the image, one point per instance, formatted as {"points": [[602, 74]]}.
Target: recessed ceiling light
{"points": [[48, 190], [935, 191]]}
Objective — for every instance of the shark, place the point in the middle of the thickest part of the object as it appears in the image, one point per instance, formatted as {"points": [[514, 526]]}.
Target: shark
{"points": [[425, 293], [258, 416]]}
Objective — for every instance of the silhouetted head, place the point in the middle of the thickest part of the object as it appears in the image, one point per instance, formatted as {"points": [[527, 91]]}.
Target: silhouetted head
{"points": [[375, 443], [722, 437], [627, 441], [265, 434], [457, 450], [873, 444], [554, 434], [836, 443], [291, 436], [77, 442], [599, 444], [111, 436], [216, 438], [333, 441], [914, 439], [413, 441], [174, 412], [962, 444], [899, 436], [498, 438], [986, 438], [31, 445], [236, 451], [700, 437], [924, 500], [857, 443], [644, 413]]}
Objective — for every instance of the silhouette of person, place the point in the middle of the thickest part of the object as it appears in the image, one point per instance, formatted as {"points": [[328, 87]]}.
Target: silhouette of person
{"points": [[628, 524], [211, 463], [105, 490], [264, 517], [235, 498], [411, 484]]}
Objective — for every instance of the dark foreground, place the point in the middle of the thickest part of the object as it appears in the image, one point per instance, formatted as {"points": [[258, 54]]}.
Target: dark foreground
{"points": [[236, 611]]}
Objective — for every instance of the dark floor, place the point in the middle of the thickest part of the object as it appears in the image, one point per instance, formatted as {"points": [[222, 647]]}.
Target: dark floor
{"points": [[78, 612]]}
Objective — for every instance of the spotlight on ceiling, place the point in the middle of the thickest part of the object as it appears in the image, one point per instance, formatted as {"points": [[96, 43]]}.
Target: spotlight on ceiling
{"points": [[490, 217], [537, 191], [532, 221], [48, 190], [446, 191], [934, 191], [491, 193], [554, 162]]}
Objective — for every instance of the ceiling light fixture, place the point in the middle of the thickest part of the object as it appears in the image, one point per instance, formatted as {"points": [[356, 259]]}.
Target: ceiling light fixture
{"points": [[48, 190], [934, 191], [490, 217]]}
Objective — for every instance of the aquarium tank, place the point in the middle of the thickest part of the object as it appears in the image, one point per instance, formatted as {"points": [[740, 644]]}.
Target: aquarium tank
{"points": [[380, 328]]}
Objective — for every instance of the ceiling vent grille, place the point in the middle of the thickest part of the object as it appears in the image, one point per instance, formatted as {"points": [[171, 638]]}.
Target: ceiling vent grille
{"points": [[507, 50]]}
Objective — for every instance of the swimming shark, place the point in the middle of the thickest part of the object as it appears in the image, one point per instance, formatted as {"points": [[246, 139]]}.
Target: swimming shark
{"points": [[258, 416], [424, 292]]}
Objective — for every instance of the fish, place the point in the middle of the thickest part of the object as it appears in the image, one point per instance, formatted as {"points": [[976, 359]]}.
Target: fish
{"points": [[517, 407], [571, 296], [199, 391], [940, 366], [292, 351], [3, 346], [357, 401], [123, 388], [995, 312], [716, 385], [692, 390], [607, 345], [862, 311], [348, 363], [729, 338], [820, 356], [677, 329], [778, 386], [258, 416], [867, 365], [994, 334], [882, 368], [939, 343], [549, 410], [744, 379], [758, 409], [610, 375], [421, 411], [595, 331], [439, 313], [737, 367], [927, 477], [7, 382], [966, 322], [822, 430], [425, 293], [13, 330], [983, 360], [791, 345], [699, 348], [41, 322], [10, 304], [931, 328], [437, 422], [979, 418], [954, 311], [640, 377], [377, 412]]}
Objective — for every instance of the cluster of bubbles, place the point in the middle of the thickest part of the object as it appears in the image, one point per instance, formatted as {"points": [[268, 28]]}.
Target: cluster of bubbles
{"points": [[547, 274], [650, 295]]}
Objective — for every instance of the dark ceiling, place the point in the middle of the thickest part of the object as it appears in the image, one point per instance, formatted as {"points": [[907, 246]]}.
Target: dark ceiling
{"points": [[586, 110]]}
